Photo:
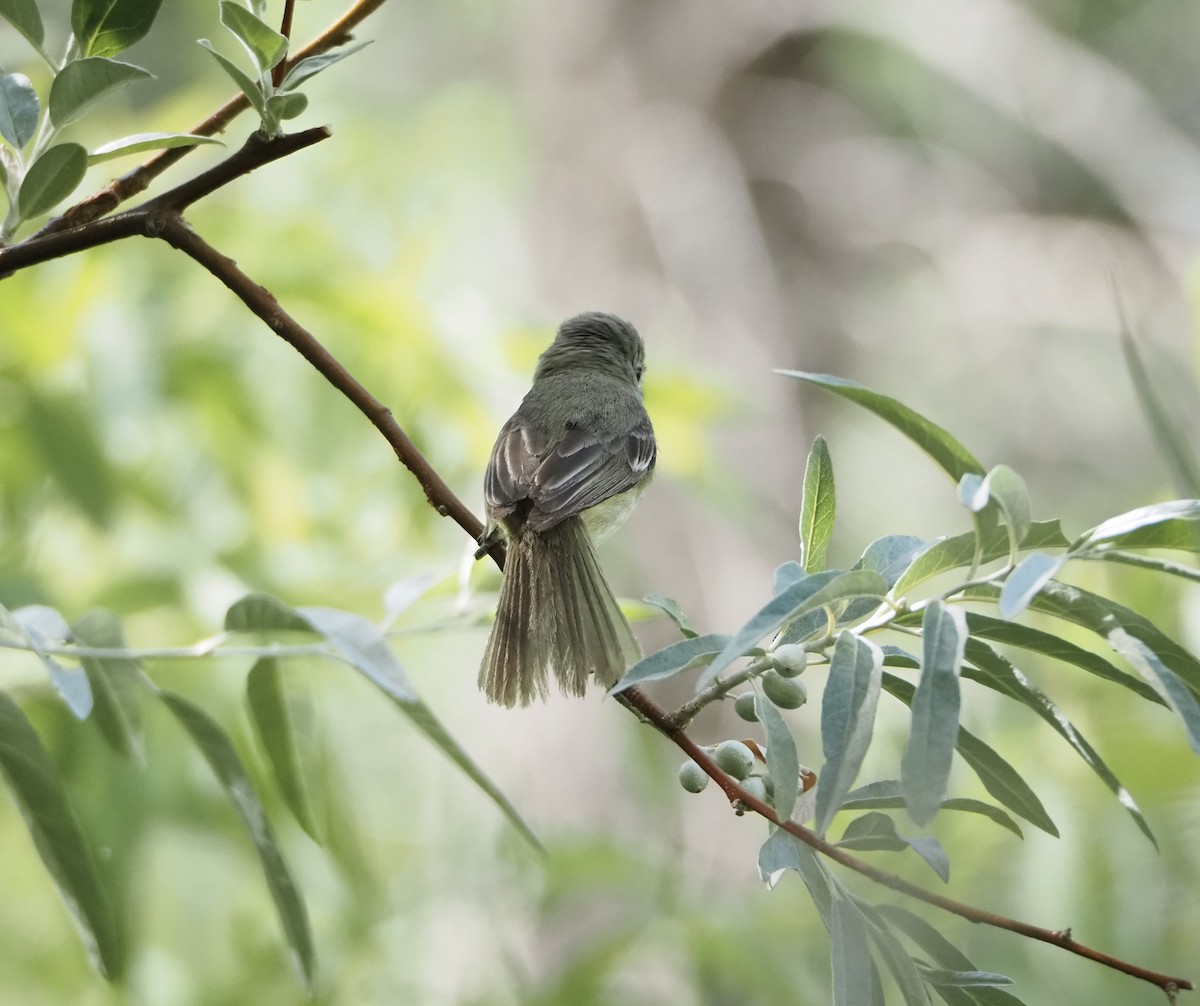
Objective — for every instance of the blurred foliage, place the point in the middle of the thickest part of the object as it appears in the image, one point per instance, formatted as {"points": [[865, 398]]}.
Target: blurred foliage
{"points": [[493, 166]]}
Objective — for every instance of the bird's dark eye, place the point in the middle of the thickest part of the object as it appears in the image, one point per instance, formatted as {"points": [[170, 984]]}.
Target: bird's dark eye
{"points": [[638, 370]]}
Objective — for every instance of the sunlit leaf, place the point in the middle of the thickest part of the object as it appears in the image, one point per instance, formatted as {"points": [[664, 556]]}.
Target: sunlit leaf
{"points": [[1031, 575], [1151, 667], [959, 551], [1007, 490], [671, 660], [991, 669], [847, 720], [813, 592], [19, 109], [42, 626], [925, 767], [25, 17], [239, 76], [219, 752], [114, 682], [83, 82], [274, 722], [999, 778], [1119, 531], [51, 178], [40, 795], [783, 764], [264, 44], [818, 506], [311, 66], [138, 143], [671, 608], [106, 27]]}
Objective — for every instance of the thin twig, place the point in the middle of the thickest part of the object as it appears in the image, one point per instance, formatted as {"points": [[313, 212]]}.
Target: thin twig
{"points": [[285, 29]]}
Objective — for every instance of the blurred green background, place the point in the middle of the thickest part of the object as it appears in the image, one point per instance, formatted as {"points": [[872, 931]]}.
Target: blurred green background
{"points": [[934, 198]]}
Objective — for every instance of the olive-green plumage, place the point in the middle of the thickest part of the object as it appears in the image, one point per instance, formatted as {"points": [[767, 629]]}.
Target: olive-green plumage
{"points": [[566, 470]]}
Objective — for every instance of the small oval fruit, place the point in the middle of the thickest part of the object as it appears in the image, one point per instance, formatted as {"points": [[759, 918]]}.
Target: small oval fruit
{"points": [[755, 787], [692, 777], [735, 758], [743, 705], [786, 693], [789, 659]]}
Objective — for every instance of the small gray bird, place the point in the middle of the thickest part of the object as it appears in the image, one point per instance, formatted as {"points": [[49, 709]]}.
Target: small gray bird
{"points": [[566, 470]]}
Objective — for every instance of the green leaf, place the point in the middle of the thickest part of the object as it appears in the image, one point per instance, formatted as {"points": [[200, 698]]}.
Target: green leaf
{"points": [[897, 959], [264, 44], [671, 607], [993, 670], [239, 76], [310, 67], [851, 955], [672, 660], [64, 433], [1121, 530], [1007, 490], [106, 27], [264, 613], [886, 795], [1023, 583], [925, 767], [949, 454], [811, 593], [42, 626], [847, 720], [1146, 562], [219, 752], [51, 178], [274, 722], [888, 556], [959, 551], [138, 143], [365, 649], [998, 630], [817, 508], [114, 683], [281, 107], [19, 109], [25, 17], [83, 82], [1172, 688], [876, 832], [36, 785], [964, 979], [783, 764], [998, 777]]}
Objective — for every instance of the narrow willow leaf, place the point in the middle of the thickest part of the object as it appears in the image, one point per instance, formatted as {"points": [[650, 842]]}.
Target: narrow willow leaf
{"points": [[114, 683], [264, 44], [239, 76], [19, 109], [51, 178], [1007, 490], [362, 646], [310, 67], [783, 764], [818, 507], [219, 752], [899, 963], [965, 979], [1022, 584], [83, 82], [781, 852], [1147, 562], [42, 626], [851, 955], [25, 17], [672, 660], [886, 795], [810, 594], [1172, 688], [999, 778], [959, 551], [787, 574], [889, 556], [949, 454], [1101, 616], [1171, 441], [137, 143], [876, 832], [993, 670], [847, 720], [106, 27], [998, 630], [274, 722], [675, 613], [925, 767], [36, 785], [264, 613], [1117, 531]]}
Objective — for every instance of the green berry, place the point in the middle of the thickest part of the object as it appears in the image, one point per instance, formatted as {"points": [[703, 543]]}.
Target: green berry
{"points": [[735, 758], [692, 777], [755, 786], [786, 693], [743, 705], [789, 659]]}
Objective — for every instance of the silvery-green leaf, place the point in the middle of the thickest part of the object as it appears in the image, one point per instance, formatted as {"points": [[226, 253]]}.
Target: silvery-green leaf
{"points": [[83, 82], [137, 143], [818, 507], [264, 44], [42, 626], [51, 178], [959, 551], [25, 17], [114, 682], [783, 764], [671, 660], [1172, 688], [672, 610], [1022, 584], [239, 76], [310, 67], [1117, 529], [106, 27], [19, 109]]}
